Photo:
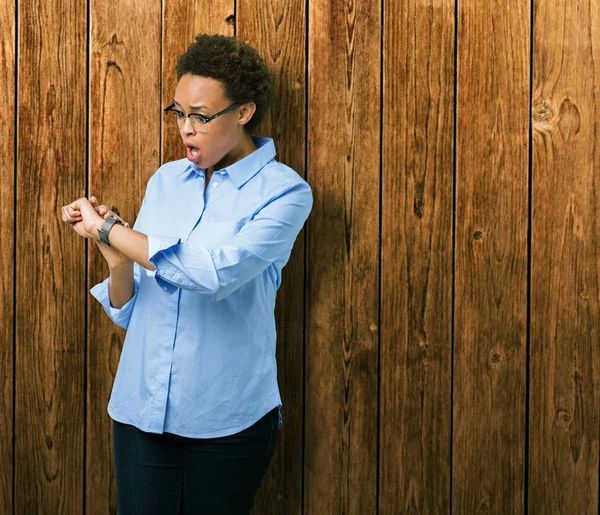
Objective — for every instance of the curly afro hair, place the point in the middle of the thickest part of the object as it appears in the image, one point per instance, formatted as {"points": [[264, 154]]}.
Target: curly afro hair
{"points": [[236, 65]]}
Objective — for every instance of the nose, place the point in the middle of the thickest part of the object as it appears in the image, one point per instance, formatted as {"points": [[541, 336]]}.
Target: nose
{"points": [[187, 127]]}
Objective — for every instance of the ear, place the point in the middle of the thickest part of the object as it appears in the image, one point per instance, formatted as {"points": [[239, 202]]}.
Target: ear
{"points": [[245, 112]]}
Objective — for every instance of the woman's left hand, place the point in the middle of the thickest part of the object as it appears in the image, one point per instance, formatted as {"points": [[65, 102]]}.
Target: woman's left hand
{"points": [[83, 218]]}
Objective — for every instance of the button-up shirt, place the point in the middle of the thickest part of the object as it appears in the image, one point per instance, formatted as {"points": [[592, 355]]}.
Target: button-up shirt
{"points": [[198, 358]]}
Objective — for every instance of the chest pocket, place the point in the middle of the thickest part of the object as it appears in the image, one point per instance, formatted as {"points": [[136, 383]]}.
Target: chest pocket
{"points": [[213, 234]]}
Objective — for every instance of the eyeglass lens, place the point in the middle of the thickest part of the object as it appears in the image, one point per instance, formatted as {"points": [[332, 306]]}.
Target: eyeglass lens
{"points": [[177, 120]]}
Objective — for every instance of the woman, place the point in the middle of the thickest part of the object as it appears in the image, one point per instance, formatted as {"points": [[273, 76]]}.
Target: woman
{"points": [[195, 402]]}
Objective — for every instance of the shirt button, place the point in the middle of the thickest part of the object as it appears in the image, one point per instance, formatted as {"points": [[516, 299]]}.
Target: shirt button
{"points": [[222, 173], [165, 288], [162, 272], [215, 184]]}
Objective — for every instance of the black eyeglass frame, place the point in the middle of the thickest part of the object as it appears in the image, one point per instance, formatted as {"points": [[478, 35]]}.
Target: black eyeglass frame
{"points": [[205, 119]]}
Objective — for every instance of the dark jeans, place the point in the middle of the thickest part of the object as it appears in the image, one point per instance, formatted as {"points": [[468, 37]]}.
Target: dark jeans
{"points": [[163, 474]]}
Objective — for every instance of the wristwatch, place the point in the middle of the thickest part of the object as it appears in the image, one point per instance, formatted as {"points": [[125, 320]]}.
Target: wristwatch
{"points": [[106, 227]]}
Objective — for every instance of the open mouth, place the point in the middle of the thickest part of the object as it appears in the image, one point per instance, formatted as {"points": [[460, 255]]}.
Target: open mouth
{"points": [[193, 153]]}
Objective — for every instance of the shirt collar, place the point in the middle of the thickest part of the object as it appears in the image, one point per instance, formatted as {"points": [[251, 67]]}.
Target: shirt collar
{"points": [[243, 170]]}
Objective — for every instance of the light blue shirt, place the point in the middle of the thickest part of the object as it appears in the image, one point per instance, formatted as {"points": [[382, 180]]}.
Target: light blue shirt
{"points": [[199, 355]]}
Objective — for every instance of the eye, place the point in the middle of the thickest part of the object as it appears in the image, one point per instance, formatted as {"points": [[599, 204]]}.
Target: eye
{"points": [[178, 114], [199, 118]]}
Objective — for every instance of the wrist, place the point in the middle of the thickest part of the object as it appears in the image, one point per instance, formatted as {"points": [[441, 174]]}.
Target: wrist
{"points": [[97, 226]]}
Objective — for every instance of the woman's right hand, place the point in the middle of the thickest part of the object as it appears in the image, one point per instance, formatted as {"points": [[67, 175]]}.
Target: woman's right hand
{"points": [[114, 258]]}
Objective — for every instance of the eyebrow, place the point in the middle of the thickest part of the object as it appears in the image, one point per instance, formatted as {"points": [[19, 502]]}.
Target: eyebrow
{"points": [[191, 107]]}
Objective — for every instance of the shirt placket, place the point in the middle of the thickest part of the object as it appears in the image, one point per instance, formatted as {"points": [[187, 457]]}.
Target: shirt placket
{"points": [[167, 346], [215, 186]]}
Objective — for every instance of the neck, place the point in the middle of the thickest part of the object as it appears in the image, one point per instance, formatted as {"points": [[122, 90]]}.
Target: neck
{"points": [[243, 148]]}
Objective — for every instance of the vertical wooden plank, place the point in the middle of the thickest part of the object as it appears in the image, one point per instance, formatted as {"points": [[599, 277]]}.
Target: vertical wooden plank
{"points": [[278, 31], [563, 466], [491, 257], [7, 207], [50, 311], [416, 272], [343, 257], [124, 152], [183, 20]]}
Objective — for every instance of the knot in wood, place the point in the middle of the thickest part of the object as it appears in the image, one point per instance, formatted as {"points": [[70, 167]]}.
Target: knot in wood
{"points": [[495, 358], [563, 417], [543, 113]]}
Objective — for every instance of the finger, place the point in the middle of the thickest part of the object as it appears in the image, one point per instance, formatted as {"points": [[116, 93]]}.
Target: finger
{"points": [[66, 214], [74, 204], [104, 211], [70, 215]]}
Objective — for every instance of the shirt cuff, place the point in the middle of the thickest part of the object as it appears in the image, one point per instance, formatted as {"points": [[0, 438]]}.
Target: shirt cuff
{"points": [[119, 316], [191, 270], [159, 252]]}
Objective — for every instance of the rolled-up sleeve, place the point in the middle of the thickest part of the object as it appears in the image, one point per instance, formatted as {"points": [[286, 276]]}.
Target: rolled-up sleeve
{"points": [[101, 293], [218, 270], [119, 316]]}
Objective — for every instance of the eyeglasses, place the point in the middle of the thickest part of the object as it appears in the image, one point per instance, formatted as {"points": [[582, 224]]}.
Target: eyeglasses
{"points": [[199, 121]]}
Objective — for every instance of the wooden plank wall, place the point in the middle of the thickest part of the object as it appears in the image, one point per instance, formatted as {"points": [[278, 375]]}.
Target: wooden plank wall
{"points": [[416, 257], [50, 321], [7, 212], [438, 319], [565, 250], [490, 308], [342, 257]]}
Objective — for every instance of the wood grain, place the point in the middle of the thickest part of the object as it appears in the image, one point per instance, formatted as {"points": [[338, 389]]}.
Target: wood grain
{"points": [[563, 467], [183, 20], [124, 152], [50, 269], [416, 266], [335, 468], [343, 257], [7, 231], [491, 258], [278, 31]]}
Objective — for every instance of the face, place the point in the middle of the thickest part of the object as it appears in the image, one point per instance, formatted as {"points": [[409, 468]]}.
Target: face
{"points": [[203, 95]]}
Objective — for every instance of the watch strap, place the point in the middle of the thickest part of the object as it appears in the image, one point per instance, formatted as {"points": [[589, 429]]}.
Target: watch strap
{"points": [[106, 227]]}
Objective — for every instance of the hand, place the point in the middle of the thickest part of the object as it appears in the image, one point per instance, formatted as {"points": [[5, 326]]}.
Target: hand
{"points": [[113, 256], [104, 212], [83, 218]]}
